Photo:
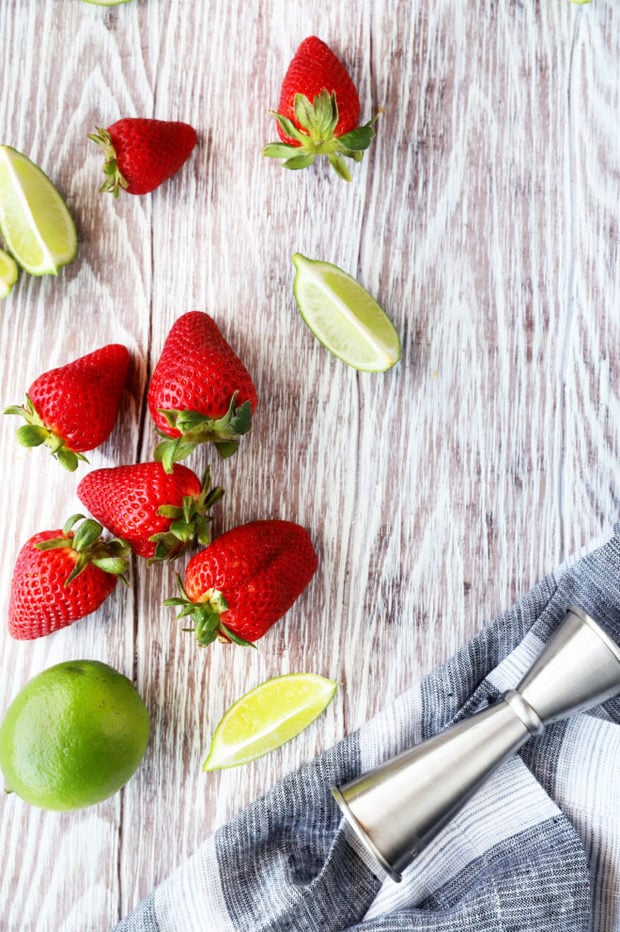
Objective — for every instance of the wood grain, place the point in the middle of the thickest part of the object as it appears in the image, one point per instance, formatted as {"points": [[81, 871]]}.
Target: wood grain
{"points": [[484, 219]]}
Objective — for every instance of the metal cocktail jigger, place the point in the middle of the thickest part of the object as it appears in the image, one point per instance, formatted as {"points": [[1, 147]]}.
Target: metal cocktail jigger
{"points": [[398, 808]]}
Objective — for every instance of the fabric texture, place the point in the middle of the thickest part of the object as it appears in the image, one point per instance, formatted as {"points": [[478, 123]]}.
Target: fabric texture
{"points": [[537, 849]]}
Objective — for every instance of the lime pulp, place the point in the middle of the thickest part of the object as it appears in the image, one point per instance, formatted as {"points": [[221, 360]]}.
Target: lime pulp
{"points": [[36, 225], [8, 273], [267, 717], [344, 317]]}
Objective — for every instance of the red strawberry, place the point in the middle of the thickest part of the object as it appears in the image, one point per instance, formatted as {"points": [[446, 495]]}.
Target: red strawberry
{"points": [[141, 154], [73, 408], [160, 514], [239, 586], [200, 391], [61, 576], [319, 112]]}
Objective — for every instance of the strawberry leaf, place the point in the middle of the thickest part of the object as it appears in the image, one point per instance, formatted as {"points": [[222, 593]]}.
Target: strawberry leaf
{"points": [[299, 161], [209, 497], [182, 530], [319, 118], [187, 610], [339, 166], [169, 452], [68, 459], [86, 535], [203, 531], [79, 566], [117, 566], [19, 410], [169, 511], [288, 127], [275, 150], [29, 435], [188, 421], [53, 543], [227, 448], [70, 523], [358, 139], [239, 420], [325, 114], [189, 508], [304, 111], [235, 638], [205, 631]]}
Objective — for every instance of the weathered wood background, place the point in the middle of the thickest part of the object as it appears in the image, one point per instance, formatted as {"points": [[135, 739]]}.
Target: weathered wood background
{"points": [[485, 220]]}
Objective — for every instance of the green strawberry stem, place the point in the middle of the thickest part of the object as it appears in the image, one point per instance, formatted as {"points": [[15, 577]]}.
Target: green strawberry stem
{"points": [[34, 433], [111, 556], [206, 615], [196, 429], [190, 522], [114, 180], [318, 121]]}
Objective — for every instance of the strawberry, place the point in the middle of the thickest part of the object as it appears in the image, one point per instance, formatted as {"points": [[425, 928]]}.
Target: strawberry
{"points": [[141, 154], [243, 582], [158, 513], [319, 112], [200, 391], [61, 576], [73, 408]]}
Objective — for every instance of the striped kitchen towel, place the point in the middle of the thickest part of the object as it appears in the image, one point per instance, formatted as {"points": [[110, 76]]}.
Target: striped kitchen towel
{"points": [[537, 848]]}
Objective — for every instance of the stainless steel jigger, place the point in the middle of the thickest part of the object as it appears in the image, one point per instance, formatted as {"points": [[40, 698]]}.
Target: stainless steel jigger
{"points": [[398, 808]]}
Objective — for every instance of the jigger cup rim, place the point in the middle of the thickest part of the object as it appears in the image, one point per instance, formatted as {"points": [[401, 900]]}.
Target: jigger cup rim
{"points": [[363, 837], [594, 625]]}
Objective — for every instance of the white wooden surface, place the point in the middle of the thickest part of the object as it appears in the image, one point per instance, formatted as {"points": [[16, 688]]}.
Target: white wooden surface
{"points": [[485, 220]]}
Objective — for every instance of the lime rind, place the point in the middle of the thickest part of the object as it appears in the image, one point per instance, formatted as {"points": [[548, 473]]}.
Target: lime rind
{"points": [[35, 222], [105, 2], [344, 317], [73, 736], [8, 273], [267, 717]]}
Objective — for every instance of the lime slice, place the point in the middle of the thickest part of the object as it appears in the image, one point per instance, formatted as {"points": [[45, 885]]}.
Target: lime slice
{"points": [[8, 274], [35, 222], [344, 317], [267, 717]]}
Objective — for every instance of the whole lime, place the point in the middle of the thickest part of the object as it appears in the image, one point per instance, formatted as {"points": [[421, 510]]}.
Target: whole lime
{"points": [[73, 736]]}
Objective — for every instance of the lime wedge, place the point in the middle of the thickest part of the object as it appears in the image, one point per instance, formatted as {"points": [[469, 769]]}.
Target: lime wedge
{"points": [[267, 717], [344, 317], [8, 274], [35, 222]]}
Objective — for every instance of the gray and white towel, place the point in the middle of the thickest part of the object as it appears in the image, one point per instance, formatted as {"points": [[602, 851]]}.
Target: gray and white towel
{"points": [[537, 848]]}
